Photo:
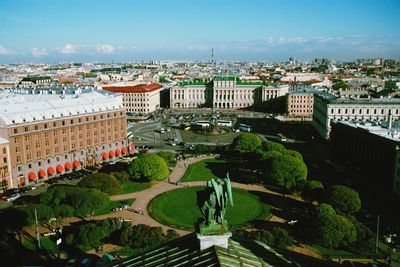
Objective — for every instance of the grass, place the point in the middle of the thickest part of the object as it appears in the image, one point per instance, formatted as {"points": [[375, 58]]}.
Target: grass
{"points": [[191, 137], [113, 204], [343, 253], [45, 243], [131, 187], [178, 208], [125, 252], [202, 171]]}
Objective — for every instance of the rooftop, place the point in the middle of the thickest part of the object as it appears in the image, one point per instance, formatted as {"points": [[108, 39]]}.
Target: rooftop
{"points": [[379, 129], [23, 108], [140, 88]]}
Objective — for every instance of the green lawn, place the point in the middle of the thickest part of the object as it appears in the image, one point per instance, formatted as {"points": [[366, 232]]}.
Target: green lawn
{"points": [[210, 168], [203, 170], [191, 137], [113, 204], [131, 187], [341, 252], [45, 243], [179, 208]]}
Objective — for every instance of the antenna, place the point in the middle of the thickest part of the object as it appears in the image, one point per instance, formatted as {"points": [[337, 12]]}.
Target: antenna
{"points": [[212, 56]]}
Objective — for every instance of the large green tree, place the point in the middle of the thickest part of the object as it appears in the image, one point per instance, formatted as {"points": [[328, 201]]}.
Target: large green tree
{"points": [[344, 199], [148, 167], [103, 182], [286, 171], [246, 142], [336, 231]]}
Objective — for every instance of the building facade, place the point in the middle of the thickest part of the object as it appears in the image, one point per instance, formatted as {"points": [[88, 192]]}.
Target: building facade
{"points": [[141, 98], [373, 149], [328, 108], [300, 103], [34, 81], [52, 134], [223, 93]]}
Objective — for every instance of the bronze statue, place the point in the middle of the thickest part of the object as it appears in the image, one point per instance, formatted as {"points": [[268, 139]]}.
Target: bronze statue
{"points": [[219, 193]]}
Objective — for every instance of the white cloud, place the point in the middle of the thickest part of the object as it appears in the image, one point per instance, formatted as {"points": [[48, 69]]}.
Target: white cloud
{"points": [[68, 49], [5, 51], [39, 52], [104, 48]]}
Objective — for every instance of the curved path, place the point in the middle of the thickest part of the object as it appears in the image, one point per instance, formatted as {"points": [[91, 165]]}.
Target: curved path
{"points": [[143, 198]]}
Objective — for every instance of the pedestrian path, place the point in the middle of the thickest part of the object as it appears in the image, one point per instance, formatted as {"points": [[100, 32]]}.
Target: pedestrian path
{"points": [[144, 197]]}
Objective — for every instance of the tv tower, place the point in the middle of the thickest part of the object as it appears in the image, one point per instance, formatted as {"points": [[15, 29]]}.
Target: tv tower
{"points": [[212, 56]]}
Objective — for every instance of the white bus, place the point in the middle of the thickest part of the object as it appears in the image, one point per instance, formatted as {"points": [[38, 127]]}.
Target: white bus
{"points": [[224, 123], [202, 123]]}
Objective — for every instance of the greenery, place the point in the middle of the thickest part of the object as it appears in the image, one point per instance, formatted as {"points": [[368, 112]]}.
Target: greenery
{"points": [[141, 237], [344, 199], [282, 239], [169, 157], [246, 142], [131, 187], [107, 208], [322, 212], [278, 236], [179, 208], [93, 233], [44, 213], [332, 252], [101, 181], [45, 243], [84, 201], [313, 190], [202, 171], [148, 167], [337, 231], [339, 85]]}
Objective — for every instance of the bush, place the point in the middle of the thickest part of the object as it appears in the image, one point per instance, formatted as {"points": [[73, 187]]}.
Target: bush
{"points": [[102, 182], [44, 213], [121, 176], [167, 156], [282, 239], [272, 146], [92, 233], [322, 212], [246, 142], [344, 199], [148, 167], [204, 149], [336, 231], [313, 190]]}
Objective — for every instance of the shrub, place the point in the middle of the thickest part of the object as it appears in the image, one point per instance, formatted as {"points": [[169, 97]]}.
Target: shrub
{"points": [[103, 182], [148, 167]]}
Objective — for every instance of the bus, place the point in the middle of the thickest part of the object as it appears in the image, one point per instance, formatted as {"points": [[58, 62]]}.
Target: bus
{"points": [[245, 128], [202, 123], [224, 123]]}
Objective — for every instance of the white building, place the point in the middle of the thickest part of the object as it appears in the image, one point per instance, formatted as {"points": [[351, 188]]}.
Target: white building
{"points": [[141, 98], [328, 108]]}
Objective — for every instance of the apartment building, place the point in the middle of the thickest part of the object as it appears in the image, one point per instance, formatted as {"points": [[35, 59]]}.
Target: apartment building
{"points": [[140, 98], [328, 108], [33, 81], [301, 103], [45, 135]]}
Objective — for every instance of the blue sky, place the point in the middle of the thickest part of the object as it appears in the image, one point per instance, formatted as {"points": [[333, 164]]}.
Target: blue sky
{"points": [[122, 30]]}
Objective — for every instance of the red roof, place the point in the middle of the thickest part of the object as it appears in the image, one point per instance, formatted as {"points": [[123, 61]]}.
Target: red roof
{"points": [[141, 88]]}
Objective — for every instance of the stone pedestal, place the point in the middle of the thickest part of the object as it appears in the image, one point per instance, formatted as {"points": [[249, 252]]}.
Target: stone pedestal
{"points": [[207, 241]]}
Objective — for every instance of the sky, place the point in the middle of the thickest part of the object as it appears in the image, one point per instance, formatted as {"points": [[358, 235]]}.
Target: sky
{"points": [[52, 31]]}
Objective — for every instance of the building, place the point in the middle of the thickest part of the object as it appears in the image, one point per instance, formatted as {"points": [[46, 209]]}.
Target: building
{"points": [[33, 81], [224, 93], [301, 103], [45, 135], [140, 98], [328, 108], [373, 148], [5, 166]]}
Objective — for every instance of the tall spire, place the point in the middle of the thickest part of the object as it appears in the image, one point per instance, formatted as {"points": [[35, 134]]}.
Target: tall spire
{"points": [[212, 56]]}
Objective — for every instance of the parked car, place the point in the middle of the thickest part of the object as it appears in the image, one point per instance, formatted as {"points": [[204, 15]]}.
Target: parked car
{"points": [[72, 262], [85, 262], [14, 197]]}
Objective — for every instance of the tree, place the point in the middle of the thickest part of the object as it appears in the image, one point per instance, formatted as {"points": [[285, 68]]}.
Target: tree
{"points": [[246, 142], [272, 146], [313, 190], [92, 233], [344, 199], [103, 182], [169, 157], [323, 212], [337, 230], [282, 239], [286, 171], [44, 213], [148, 167]]}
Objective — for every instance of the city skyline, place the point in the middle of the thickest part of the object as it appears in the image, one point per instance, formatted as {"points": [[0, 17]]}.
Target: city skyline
{"points": [[122, 31]]}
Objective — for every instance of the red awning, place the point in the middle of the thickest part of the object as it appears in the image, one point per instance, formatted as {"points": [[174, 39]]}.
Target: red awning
{"points": [[67, 166], [111, 154], [118, 152], [50, 171], [31, 176], [42, 174], [76, 164], [131, 147], [59, 168], [124, 150], [104, 155]]}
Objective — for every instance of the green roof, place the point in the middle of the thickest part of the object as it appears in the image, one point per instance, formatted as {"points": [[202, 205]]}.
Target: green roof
{"points": [[194, 83], [225, 78]]}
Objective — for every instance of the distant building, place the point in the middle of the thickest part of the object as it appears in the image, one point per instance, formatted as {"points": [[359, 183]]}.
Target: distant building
{"points": [[33, 81], [44, 135], [301, 103], [140, 98], [328, 108], [224, 93], [373, 148]]}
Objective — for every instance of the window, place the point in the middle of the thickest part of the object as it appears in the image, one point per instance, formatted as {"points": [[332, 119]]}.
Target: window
{"points": [[63, 123], [15, 130], [36, 127], [72, 121], [38, 154], [5, 160], [18, 158], [4, 150], [45, 125], [26, 129]]}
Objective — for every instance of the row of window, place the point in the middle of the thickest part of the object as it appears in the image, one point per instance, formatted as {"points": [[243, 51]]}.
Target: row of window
{"points": [[374, 111]]}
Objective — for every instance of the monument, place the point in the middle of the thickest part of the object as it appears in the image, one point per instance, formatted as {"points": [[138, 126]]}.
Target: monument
{"points": [[213, 201], [214, 127]]}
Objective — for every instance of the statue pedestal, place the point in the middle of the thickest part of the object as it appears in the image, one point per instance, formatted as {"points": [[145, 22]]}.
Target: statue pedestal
{"points": [[207, 241]]}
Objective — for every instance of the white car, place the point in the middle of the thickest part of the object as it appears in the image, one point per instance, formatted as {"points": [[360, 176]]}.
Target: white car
{"points": [[13, 197]]}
